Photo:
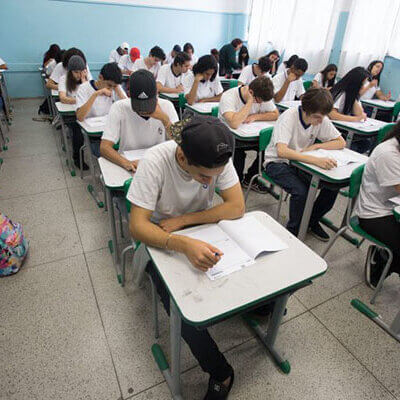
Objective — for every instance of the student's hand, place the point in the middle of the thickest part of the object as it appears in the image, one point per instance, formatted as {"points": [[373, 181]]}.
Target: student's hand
{"points": [[158, 113], [131, 165], [292, 77], [199, 77], [201, 254], [172, 224], [84, 76], [179, 89], [373, 83], [362, 117], [325, 163], [104, 92], [250, 118], [314, 146]]}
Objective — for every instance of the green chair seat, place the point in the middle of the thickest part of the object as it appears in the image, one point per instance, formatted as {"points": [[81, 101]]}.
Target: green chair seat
{"points": [[307, 85], [355, 225]]}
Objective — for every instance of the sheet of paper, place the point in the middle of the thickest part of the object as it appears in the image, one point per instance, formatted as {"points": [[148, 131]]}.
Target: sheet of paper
{"points": [[370, 125], [132, 155], [96, 122], [290, 104], [234, 257], [396, 200], [253, 128], [380, 102], [205, 107], [342, 157]]}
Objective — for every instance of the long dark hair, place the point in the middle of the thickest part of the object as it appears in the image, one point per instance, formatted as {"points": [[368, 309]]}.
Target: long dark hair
{"points": [[53, 52], [243, 55], [394, 133], [204, 63], [369, 69], [350, 84], [324, 73], [276, 52], [71, 83]]}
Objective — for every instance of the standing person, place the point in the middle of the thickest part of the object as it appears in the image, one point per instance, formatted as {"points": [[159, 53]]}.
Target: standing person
{"points": [[152, 62], [170, 76], [325, 78], [274, 58], [251, 72], [172, 54], [287, 64], [127, 61], [243, 57], [51, 58], [227, 57], [117, 53], [381, 182], [189, 49], [202, 83]]}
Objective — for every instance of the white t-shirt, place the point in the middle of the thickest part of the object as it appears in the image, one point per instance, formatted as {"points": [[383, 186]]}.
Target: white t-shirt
{"points": [[291, 130], [2, 61], [169, 59], [59, 71], [370, 93], [232, 101], [381, 175], [295, 88], [49, 68], [281, 68], [318, 78], [247, 75], [134, 132], [62, 87], [340, 102], [162, 186], [101, 105], [114, 56], [205, 89], [167, 78], [125, 62], [140, 64], [193, 60]]}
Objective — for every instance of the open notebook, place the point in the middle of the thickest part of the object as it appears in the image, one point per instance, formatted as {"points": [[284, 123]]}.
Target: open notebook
{"points": [[369, 125], [241, 241], [254, 127], [342, 157], [132, 155]]}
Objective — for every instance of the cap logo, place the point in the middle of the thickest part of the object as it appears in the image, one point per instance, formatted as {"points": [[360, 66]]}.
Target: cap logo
{"points": [[143, 96], [222, 147]]}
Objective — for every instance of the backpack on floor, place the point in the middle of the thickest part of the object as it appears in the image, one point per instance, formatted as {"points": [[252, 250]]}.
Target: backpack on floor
{"points": [[13, 246]]}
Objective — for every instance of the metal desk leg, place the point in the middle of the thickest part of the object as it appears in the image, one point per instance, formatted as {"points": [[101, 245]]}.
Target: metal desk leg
{"points": [[67, 148], [305, 220], [374, 112], [349, 139]]}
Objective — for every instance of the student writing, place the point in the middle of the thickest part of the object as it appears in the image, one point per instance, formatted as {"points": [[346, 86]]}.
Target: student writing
{"points": [[127, 61], [69, 83], [251, 72], [325, 78], [117, 53], [152, 62], [172, 54], [170, 76], [189, 49]]}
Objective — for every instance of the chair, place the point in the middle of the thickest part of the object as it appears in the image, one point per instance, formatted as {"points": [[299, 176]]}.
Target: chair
{"points": [[307, 85], [214, 111], [233, 83], [353, 224], [396, 110], [383, 131], [262, 176], [181, 102]]}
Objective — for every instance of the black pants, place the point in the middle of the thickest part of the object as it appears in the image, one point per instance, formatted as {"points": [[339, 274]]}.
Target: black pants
{"points": [[240, 157], [386, 230], [201, 344], [77, 140]]}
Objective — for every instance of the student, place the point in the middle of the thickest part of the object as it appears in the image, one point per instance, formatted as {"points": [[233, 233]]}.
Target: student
{"points": [[127, 61], [215, 53], [288, 84], [173, 188], [325, 78], [251, 72], [288, 63], [243, 57], [246, 104], [227, 57], [296, 131], [3, 64], [371, 87], [202, 83], [137, 123], [189, 49], [274, 58], [169, 79], [69, 84], [172, 54], [381, 182], [116, 54], [152, 62], [51, 58]]}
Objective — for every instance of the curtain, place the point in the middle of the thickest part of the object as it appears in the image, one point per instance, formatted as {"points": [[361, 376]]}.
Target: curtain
{"points": [[394, 43], [293, 27], [368, 33]]}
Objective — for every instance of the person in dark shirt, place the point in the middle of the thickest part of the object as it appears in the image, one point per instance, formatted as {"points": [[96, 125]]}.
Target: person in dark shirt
{"points": [[227, 57]]}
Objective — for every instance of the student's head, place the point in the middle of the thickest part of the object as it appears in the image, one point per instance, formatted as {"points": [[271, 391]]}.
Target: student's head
{"points": [[264, 64], [243, 55], [329, 74], [76, 66], [73, 51], [134, 54], [206, 65], [143, 92], [350, 85], [175, 50], [375, 69], [182, 62], [273, 56], [291, 60], [52, 53], [156, 55], [110, 76], [237, 43], [205, 146], [125, 47], [215, 53], [262, 89], [316, 103], [394, 133], [188, 48], [299, 67]]}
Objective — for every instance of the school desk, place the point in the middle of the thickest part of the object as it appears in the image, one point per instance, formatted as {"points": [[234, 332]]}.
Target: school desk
{"points": [[207, 108], [378, 104], [4, 95], [285, 105]]}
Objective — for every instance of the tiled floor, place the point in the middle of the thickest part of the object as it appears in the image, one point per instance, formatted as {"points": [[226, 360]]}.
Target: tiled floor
{"points": [[69, 331]]}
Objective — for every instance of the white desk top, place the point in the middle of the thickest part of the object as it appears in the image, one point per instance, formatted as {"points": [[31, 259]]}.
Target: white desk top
{"points": [[65, 108], [54, 92], [113, 175], [170, 95], [338, 173], [289, 104], [201, 300], [380, 103], [93, 125], [252, 130], [203, 108], [368, 126]]}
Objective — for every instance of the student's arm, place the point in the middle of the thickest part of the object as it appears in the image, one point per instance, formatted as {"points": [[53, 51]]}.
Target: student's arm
{"points": [[397, 188], [370, 85], [335, 144], [282, 91], [337, 116], [265, 116], [234, 119], [66, 99], [107, 151], [211, 99], [82, 111], [50, 84], [3, 66], [382, 96], [191, 96], [119, 92], [163, 89]]}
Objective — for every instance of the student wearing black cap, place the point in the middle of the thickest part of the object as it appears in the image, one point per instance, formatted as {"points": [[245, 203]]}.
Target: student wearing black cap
{"points": [[174, 188], [139, 122]]}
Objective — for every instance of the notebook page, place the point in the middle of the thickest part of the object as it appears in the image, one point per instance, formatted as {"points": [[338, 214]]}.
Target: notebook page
{"points": [[205, 107], [132, 155], [342, 157], [254, 127], [253, 236], [96, 122]]}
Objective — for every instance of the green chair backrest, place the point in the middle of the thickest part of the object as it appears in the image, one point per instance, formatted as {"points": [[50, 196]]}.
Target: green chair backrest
{"points": [[383, 131], [233, 83], [396, 110], [182, 100], [265, 138], [355, 181], [307, 85], [127, 185], [214, 111]]}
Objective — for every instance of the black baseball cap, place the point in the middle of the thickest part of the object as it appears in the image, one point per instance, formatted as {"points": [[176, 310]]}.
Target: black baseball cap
{"points": [[207, 142], [143, 91]]}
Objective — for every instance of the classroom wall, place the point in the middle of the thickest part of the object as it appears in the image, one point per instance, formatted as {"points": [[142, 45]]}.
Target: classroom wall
{"points": [[27, 27]]}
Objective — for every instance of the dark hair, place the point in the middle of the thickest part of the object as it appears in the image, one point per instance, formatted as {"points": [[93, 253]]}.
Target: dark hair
{"points": [[262, 88], [188, 46], [70, 82], [53, 52], [264, 64], [276, 52], [350, 84], [300, 64], [158, 52], [236, 42], [369, 69], [177, 48], [317, 101], [120, 51], [111, 72], [215, 53], [243, 55], [180, 58], [394, 133], [324, 73], [73, 51], [288, 63], [204, 63]]}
